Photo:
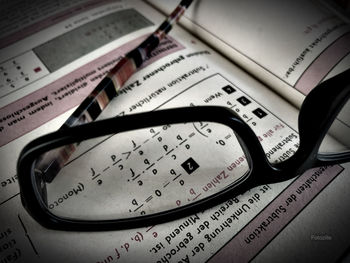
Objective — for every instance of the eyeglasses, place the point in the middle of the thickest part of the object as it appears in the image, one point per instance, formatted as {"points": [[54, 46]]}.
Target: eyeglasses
{"points": [[131, 160]]}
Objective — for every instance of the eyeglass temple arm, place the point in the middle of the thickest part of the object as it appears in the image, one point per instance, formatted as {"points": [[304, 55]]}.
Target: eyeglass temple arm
{"points": [[317, 113], [320, 107], [106, 90]]}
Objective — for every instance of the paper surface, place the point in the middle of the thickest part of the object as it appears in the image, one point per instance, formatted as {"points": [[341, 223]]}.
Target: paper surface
{"points": [[182, 72], [291, 46]]}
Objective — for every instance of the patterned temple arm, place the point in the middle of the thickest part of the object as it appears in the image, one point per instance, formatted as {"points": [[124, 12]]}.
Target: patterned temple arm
{"points": [[52, 162]]}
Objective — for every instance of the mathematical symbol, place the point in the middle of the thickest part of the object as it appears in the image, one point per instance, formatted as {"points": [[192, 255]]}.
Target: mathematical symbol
{"points": [[176, 177], [183, 141], [128, 154], [196, 197], [94, 175], [149, 228], [149, 199], [204, 126], [169, 151], [136, 148], [228, 89], [150, 166], [259, 113], [155, 134], [136, 177], [138, 208], [243, 100], [190, 165], [117, 162]]}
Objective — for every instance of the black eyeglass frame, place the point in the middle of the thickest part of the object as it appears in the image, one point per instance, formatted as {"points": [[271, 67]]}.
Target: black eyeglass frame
{"points": [[314, 123]]}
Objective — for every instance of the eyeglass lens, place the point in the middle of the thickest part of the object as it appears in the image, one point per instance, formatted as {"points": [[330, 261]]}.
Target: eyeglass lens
{"points": [[145, 171]]}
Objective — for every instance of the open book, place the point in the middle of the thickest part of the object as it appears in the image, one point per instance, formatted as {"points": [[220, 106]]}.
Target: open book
{"points": [[259, 59]]}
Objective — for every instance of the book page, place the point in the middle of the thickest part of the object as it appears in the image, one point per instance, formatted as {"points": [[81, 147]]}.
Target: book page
{"points": [[49, 79], [290, 46]]}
